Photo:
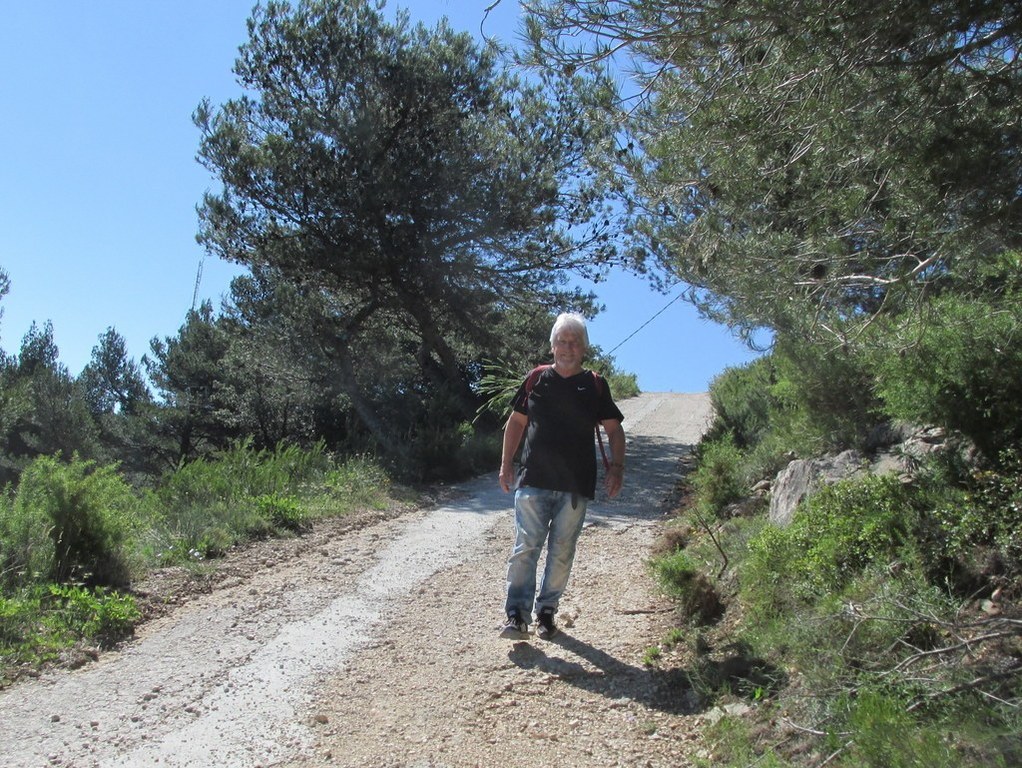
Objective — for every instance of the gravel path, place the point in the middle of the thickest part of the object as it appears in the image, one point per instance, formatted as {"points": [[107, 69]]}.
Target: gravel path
{"points": [[378, 647]]}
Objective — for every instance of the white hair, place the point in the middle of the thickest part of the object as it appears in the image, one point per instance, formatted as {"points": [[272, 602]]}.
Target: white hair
{"points": [[573, 322]]}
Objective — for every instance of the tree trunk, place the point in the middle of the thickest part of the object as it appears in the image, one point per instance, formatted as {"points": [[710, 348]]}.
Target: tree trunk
{"points": [[347, 383], [436, 358]]}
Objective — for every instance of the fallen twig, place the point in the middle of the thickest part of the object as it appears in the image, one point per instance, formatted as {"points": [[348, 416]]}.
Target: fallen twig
{"points": [[964, 644], [971, 685]]}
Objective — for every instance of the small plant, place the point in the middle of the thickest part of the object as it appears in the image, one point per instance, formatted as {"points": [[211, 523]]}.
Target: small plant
{"points": [[675, 636], [38, 623], [652, 656], [879, 731], [734, 745], [283, 513], [655, 653], [100, 615], [681, 579], [15, 621], [25, 638]]}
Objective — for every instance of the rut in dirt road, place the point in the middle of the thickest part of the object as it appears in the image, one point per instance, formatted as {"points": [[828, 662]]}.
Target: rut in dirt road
{"points": [[233, 678]]}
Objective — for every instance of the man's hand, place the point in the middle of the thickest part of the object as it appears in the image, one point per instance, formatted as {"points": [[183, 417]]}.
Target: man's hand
{"points": [[513, 431], [614, 479], [507, 478]]}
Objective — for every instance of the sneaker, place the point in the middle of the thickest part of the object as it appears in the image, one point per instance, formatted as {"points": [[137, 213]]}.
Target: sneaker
{"points": [[545, 627], [515, 627]]}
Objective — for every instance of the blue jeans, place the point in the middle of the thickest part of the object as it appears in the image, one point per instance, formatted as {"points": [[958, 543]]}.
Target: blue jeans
{"points": [[553, 516]]}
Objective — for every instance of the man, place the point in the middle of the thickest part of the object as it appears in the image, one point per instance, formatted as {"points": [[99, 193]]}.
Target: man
{"points": [[556, 409]]}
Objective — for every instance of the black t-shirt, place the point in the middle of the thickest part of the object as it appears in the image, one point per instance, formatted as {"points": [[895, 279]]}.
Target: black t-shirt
{"points": [[559, 453]]}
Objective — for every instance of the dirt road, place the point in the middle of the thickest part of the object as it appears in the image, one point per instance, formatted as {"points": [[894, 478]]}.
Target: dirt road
{"points": [[379, 647]]}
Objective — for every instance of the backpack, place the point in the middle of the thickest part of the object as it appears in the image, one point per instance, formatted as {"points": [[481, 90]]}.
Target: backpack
{"points": [[533, 377]]}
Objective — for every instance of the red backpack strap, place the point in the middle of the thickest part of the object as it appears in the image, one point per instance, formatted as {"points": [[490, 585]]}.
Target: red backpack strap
{"points": [[533, 377], [599, 435]]}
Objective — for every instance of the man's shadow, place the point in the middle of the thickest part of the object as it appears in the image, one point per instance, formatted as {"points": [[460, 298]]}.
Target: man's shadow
{"points": [[666, 690]]}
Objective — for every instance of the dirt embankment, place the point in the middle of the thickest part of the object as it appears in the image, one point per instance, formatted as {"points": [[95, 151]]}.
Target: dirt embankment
{"points": [[377, 646]]}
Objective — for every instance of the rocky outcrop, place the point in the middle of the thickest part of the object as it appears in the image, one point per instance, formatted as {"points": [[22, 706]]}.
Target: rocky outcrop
{"points": [[804, 476], [897, 449]]}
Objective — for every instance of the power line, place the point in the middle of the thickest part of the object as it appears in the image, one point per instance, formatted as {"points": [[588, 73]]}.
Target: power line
{"points": [[664, 309]]}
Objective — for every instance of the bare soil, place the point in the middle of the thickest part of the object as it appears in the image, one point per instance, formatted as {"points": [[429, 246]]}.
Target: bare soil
{"points": [[372, 641]]}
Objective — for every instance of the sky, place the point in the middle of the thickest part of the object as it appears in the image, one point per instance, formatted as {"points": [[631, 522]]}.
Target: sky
{"points": [[99, 183]]}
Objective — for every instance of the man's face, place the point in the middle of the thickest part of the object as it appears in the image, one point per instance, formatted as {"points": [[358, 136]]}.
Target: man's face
{"points": [[568, 350]]}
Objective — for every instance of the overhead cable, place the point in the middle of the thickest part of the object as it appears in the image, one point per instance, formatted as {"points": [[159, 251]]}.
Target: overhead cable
{"points": [[664, 309]]}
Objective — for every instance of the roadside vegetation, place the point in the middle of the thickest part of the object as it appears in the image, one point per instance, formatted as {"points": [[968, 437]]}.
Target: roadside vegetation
{"points": [[881, 627], [75, 537]]}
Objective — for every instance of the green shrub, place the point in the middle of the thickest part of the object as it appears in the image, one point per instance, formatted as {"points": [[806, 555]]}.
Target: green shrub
{"points": [[823, 396], [880, 733], [803, 398], [971, 520], [283, 513], [99, 614], [836, 534], [185, 521], [719, 479], [207, 506], [960, 367], [995, 516], [243, 473], [840, 640], [623, 385], [742, 402], [481, 451], [358, 482], [68, 522], [437, 449]]}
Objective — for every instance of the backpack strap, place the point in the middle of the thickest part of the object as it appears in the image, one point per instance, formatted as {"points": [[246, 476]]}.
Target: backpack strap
{"points": [[598, 382], [533, 377]]}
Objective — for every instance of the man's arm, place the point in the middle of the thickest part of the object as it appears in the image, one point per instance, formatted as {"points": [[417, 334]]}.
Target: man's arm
{"points": [[616, 439], [513, 432]]}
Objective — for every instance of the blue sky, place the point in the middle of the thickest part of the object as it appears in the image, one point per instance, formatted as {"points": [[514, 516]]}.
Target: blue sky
{"points": [[99, 184]]}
